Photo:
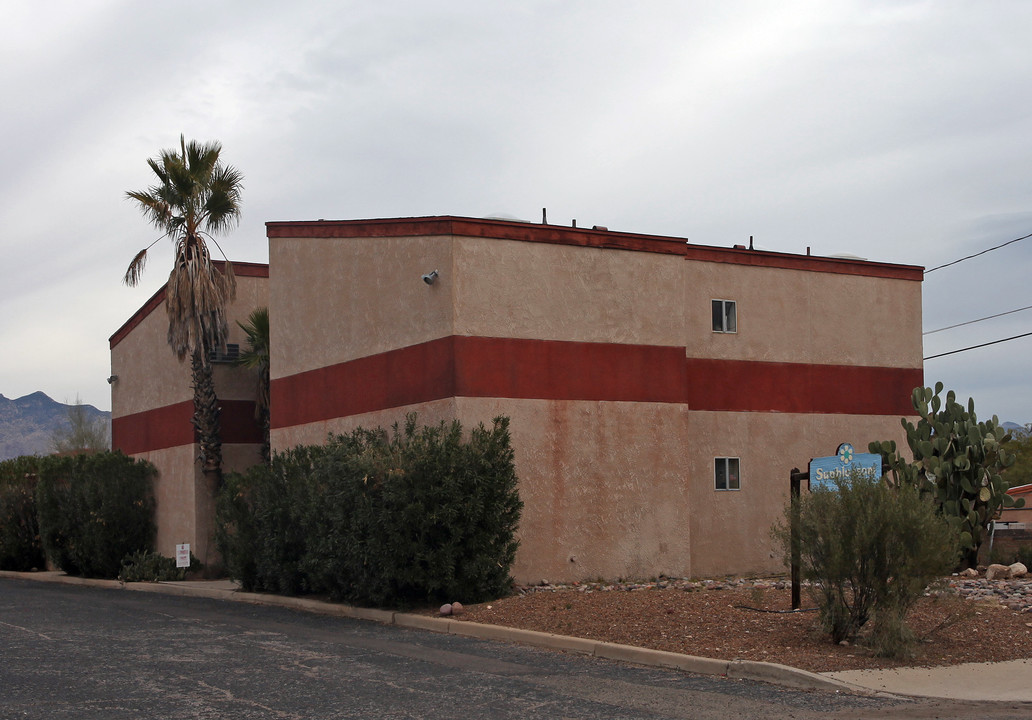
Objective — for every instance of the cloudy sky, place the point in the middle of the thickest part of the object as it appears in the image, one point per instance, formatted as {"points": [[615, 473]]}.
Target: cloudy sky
{"points": [[897, 131]]}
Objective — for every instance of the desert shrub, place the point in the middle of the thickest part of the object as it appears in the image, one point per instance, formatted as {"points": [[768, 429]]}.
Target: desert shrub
{"points": [[869, 551], [378, 518], [94, 510], [20, 546], [1024, 555], [146, 566]]}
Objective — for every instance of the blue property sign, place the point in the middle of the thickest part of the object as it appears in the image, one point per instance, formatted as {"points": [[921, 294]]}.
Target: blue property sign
{"points": [[826, 470]]}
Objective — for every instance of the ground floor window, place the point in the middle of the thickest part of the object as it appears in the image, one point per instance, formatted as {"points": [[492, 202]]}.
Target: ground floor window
{"points": [[726, 473]]}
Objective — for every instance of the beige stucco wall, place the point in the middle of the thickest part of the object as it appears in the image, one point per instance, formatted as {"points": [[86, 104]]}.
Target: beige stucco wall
{"points": [[512, 289], [337, 299], [149, 374], [603, 484], [185, 505], [732, 533], [315, 433], [803, 317], [175, 492], [150, 377]]}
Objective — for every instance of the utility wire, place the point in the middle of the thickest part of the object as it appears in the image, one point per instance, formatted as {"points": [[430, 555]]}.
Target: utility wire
{"points": [[983, 252], [994, 342], [972, 322]]}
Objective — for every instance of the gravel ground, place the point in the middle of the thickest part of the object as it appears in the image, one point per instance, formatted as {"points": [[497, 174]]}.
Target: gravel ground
{"points": [[745, 619]]}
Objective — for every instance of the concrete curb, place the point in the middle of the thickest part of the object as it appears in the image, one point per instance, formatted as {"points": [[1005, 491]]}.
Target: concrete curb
{"points": [[772, 673]]}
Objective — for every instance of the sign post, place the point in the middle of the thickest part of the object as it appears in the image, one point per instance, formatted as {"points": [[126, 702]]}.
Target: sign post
{"points": [[795, 490]]}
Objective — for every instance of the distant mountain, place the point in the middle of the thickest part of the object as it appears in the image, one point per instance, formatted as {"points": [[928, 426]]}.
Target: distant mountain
{"points": [[27, 424], [1013, 427]]}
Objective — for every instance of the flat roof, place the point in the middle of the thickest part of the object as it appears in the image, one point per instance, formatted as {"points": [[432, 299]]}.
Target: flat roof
{"points": [[501, 229]]}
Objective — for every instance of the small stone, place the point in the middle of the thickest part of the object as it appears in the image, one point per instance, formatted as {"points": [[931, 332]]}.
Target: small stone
{"points": [[969, 573], [446, 609], [1018, 570], [997, 572], [457, 609], [844, 643]]}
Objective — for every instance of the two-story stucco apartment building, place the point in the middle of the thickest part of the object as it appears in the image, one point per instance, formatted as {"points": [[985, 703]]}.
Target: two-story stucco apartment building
{"points": [[659, 392]]}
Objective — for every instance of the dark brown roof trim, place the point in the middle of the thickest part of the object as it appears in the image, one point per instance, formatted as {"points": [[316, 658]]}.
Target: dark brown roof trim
{"points": [[240, 269], [583, 237]]}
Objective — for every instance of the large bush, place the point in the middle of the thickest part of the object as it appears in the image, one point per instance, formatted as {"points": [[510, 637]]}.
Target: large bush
{"points": [[264, 520], [20, 545], [94, 510], [869, 551], [378, 518]]}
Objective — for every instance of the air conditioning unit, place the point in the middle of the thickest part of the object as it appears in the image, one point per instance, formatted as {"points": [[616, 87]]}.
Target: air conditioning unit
{"points": [[229, 354]]}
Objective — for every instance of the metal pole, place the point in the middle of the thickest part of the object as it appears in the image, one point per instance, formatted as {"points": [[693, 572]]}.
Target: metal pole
{"points": [[794, 490]]}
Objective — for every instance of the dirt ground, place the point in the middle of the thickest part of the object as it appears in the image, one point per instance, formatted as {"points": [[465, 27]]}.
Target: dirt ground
{"points": [[733, 620]]}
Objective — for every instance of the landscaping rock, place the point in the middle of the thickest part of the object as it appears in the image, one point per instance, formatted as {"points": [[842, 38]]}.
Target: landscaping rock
{"points": [[968, 573], [456, 608], [1018, 570], [446, 609], [997, 572]]}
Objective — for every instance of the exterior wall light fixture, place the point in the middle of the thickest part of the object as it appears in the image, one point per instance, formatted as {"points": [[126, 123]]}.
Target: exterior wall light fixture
{"points": [[111, 380], [431, 277]]}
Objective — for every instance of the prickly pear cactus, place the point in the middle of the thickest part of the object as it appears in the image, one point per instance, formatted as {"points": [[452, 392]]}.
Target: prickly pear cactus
{"points": [[957, 460]]}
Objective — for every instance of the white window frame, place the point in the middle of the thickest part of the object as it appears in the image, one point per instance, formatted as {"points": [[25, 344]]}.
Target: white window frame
{"points": [[725, 463], [725, 326]]}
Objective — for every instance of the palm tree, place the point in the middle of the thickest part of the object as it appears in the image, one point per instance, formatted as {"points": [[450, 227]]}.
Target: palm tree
{"points": [[196, 197], [257, 356]]}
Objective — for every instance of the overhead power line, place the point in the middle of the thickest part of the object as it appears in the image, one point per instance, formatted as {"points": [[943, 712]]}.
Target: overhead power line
{"points": [[972, 322], [983, 252], [972, 347]]}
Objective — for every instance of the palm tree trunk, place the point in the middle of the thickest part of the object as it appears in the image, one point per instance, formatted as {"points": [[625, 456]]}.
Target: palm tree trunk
{"points": [[206, 419]]}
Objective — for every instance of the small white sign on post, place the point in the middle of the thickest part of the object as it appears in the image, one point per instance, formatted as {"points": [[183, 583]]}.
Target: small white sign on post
{"points": [[183, 555]]}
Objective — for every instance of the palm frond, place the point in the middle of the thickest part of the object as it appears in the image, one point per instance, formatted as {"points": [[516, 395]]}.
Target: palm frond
{"points": [[135, 269]]}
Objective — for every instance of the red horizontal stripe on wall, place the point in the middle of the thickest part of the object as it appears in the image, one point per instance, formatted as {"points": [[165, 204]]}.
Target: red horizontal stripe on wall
{"points": [[553, 370], [415, 374], [170, 426], [155, 429], [746, 386], [480, 367]]}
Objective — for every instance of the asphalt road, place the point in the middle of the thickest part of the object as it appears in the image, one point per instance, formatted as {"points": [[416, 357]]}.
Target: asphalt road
{"points": [[79, 652]]}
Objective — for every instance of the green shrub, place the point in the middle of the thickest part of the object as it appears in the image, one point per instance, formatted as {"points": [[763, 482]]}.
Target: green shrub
{"points": [[869, 551], [378, 518], [94, 510], [263, 522], [145, 566], [20, 545]]}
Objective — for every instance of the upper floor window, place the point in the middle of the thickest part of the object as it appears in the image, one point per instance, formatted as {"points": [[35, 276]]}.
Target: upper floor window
{"points": [[725, 316], [726, 475]]}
